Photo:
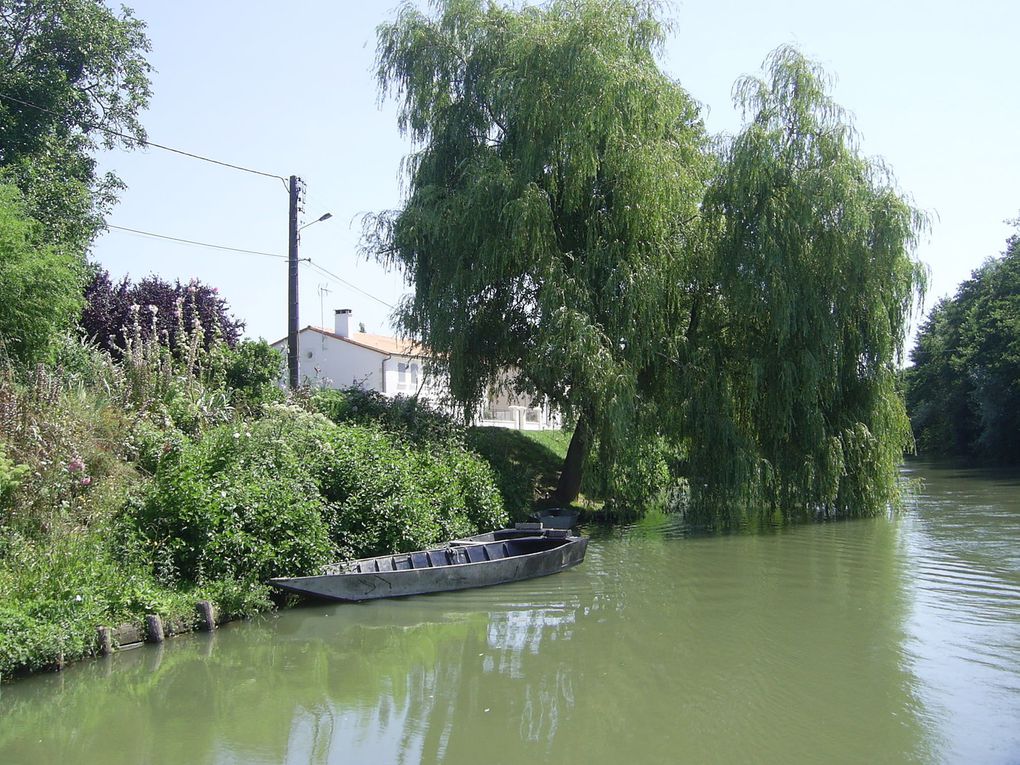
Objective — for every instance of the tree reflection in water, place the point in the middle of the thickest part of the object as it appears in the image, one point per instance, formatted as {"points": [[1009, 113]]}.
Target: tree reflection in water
{"points": [[804, 644]]}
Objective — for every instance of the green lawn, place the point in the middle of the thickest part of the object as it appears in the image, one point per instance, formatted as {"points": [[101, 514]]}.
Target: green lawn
{"points": [[527, 464]]}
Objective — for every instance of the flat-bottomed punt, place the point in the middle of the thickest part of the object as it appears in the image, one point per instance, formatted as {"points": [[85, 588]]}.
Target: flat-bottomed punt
{"points": [[498, 557]]}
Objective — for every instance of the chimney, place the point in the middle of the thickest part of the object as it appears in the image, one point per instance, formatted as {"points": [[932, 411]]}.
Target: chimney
{"points": [[342, 322]]}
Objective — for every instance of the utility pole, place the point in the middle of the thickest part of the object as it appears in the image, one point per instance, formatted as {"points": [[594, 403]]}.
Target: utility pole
{"points": [[292, 283]]}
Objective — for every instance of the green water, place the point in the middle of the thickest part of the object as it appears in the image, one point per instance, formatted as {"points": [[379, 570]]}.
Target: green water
{"points": [[888, 640]]}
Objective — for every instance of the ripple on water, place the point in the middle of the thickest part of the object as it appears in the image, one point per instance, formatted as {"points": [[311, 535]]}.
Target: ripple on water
{"points": [[886, 640]]}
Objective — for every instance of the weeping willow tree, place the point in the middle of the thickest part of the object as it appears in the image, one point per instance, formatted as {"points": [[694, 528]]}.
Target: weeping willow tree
{"points": [[570, 232], [551, 202], [812, 281]]}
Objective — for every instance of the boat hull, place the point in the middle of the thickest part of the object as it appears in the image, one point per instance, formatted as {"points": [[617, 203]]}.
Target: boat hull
{"points": [[470, 563]]}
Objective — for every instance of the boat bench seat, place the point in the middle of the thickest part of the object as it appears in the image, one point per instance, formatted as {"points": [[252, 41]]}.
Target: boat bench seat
{"points": [[496, 550], [479, 553], [476, 554], [438, 558]]}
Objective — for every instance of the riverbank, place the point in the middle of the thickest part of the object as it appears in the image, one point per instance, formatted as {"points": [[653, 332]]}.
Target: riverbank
{"points": [[143, 485]]}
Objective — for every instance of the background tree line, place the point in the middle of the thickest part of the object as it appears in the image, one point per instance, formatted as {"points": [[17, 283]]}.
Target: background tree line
{"points": [[963, 390]]}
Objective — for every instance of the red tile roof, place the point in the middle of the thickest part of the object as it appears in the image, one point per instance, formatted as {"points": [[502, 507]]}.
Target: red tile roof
{"points": [[378, 343]]}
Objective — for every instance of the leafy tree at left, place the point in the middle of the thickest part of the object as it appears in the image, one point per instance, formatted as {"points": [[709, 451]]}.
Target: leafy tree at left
{"points": [[40, 285], [72, 76]]}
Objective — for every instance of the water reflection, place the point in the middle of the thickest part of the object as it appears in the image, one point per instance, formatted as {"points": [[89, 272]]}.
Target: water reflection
{"points": [[963, 535], [873, 641]]}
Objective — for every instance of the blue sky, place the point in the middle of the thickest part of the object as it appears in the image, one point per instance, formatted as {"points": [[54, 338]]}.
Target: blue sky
{"points": [[290, 90]]}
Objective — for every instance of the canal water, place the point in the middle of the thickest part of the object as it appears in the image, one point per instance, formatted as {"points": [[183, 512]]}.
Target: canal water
{"points": [[880, 641]]}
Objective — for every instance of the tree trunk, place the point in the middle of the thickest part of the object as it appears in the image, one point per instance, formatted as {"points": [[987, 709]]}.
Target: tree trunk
{"points": [[569, 485]]}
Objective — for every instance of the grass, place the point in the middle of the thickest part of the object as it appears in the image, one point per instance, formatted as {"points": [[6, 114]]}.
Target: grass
{"points": [[527, 464]]}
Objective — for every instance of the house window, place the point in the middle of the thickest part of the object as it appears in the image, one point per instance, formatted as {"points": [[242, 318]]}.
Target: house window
{"points": [[407, 377]]}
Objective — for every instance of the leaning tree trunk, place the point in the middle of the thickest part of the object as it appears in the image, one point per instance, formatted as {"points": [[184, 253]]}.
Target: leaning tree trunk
{"points": [[569, 485]]}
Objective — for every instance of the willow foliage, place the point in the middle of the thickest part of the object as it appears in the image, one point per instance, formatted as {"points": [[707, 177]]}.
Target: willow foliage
{"points": [[813, 282], [556, 184], [569, 231]]}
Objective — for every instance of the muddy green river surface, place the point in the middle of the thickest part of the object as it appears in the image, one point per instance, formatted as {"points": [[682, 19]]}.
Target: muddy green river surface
{"points": [[887, 640]]}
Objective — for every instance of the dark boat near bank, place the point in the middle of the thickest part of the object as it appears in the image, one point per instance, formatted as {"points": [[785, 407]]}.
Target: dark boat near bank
{"points": [[557, 517], [498, 557]]}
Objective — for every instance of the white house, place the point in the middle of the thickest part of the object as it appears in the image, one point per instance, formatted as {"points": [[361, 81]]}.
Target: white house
{"points": [[342, 358]]}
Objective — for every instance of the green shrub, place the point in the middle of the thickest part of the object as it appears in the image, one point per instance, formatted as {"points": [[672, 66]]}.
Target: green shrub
{"points": [[238, 504], [390, 497], [368, 479], [40, 286], [149, 445], [463, 490], [408, 418], [10, 478], [253, 375]]}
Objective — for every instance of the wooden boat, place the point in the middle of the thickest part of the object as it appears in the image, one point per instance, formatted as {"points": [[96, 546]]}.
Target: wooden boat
{"points": [[498, 557], [557, 518]]}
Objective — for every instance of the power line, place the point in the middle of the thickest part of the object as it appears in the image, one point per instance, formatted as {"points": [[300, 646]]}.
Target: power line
{"points": [[145, 142], [331, 275], [199, 244], [325, 272]]}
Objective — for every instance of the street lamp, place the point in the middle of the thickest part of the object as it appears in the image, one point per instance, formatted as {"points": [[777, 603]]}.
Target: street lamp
{"points": [[320, 219]]}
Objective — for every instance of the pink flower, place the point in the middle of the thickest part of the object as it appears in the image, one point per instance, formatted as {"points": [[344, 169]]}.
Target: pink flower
{"points": [[75, 465], [86, 481]]}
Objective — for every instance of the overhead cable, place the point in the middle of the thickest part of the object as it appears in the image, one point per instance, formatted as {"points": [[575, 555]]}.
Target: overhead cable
{"points": [[145, 142], [199, 244], [331, 275]]}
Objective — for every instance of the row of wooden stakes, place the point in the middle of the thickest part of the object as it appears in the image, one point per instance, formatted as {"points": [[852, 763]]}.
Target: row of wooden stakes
{"points": [[155, 631]]}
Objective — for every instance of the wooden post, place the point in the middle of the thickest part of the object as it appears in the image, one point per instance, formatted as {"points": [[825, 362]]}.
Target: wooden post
{"points": [[206, 615], [105, 640], [292, 282], [153, 628]]}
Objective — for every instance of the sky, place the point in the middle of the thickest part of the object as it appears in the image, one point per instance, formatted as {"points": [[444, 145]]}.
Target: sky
{"points": [[289, 89]]}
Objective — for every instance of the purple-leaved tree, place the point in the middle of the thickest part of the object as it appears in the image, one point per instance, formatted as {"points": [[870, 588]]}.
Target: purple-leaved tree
{"points": [[110, 314]]}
